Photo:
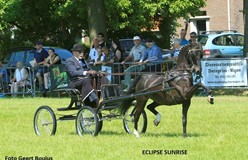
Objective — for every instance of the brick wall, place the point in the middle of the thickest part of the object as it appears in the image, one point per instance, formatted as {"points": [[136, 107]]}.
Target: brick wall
{"points": [[217, 11]]}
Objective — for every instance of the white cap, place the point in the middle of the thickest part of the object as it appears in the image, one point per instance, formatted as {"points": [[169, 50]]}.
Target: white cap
{"points": [[136, 38]]}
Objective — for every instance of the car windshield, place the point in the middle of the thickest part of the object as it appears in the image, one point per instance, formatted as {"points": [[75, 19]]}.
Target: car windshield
{"points": [[203, 39], [126, 44], [62, 53]]}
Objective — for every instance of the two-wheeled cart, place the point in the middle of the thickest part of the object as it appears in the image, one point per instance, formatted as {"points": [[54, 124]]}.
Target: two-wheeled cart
{"points": [[88, 120]]}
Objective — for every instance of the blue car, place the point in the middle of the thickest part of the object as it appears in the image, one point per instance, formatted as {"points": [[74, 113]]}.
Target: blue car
{"points": [[26, 54], [222, 44]]}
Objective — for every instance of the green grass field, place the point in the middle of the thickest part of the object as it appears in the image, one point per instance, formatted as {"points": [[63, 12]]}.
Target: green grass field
{"points": [[215, 132]]}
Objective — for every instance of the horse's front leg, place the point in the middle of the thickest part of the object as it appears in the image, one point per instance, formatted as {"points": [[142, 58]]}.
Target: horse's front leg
{"points": [[209, 91], [191, 90], [185, 107]]}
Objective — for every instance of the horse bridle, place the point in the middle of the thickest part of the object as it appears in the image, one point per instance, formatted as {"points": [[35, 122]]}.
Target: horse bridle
{"points": [[192, 63]]}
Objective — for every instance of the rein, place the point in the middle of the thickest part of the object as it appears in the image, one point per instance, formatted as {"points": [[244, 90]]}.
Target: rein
{"points": [[164, 81]]}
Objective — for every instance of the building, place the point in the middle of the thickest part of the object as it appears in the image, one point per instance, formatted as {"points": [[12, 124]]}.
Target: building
{"points": [[217, 15]]}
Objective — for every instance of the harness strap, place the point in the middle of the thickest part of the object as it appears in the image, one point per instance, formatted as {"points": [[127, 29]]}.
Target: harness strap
{"points": [[162, 83]]}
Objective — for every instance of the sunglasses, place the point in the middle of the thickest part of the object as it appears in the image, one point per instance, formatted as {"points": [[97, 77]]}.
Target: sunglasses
{"points": [[80, 52], [192, 36]]}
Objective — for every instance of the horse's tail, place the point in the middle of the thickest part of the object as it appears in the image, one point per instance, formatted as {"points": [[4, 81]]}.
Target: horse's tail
{"points": [[125, 104]]}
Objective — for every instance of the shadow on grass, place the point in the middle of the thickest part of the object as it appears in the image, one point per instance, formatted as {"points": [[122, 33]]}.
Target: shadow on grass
{"points": [[104, 133], [222, 91], [189, 135], [147, 134]]}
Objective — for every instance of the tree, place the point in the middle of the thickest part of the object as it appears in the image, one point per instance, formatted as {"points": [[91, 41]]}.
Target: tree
{"points": [[56, 22], [144, 15], [245, 13], [61, 22], [96, 18]]}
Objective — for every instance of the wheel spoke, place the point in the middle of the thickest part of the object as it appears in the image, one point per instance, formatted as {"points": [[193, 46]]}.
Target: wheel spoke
{"points": [[87, 121]]}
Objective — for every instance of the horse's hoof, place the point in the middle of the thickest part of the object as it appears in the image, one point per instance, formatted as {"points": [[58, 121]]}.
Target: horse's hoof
{"points": [[185, 135], [136, 133], [211, 99], [156, 122]]}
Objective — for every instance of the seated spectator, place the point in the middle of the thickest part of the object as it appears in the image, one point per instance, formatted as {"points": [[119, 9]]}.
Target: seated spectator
{"points": [[135, 55], [20, 78], [52, 59], [3, 78], [136, 52], [152, 57]]}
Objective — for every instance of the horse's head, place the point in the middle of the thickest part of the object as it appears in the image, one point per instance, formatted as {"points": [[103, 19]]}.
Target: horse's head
{"points": [[195, 55], [190, 58]]}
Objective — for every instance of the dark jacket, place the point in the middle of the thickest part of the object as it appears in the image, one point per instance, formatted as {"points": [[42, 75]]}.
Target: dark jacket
{"points": [[74, 68]]}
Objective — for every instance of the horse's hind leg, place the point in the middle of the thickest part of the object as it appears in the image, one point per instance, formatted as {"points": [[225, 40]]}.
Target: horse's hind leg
{"points": [[185, 108], [151, 107], [140, 105]]}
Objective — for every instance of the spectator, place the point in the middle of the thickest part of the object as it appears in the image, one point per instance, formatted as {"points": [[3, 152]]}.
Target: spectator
{"points": [[100, 37], [137, 51], [108, 57], [194, 41], [135, 54], [20, 78], [117, 49], [175, 50], [151, 54], [3, 78], [152, 57], [94, 51], [52, 59], [107, 60], [182, 38], [3, 73], [40, 56]]}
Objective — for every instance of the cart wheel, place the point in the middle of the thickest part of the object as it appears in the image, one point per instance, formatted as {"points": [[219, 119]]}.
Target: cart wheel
{"points": [[87, 121], [45, 121], [128, 120]]}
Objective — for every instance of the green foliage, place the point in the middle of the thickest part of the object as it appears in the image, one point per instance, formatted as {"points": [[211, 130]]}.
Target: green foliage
{"points": [[60, 22]]}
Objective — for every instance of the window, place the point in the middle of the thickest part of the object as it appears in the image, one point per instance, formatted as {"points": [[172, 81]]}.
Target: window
{"points": [[19, 56], [30, 56], [217, 41], [239, 40]]}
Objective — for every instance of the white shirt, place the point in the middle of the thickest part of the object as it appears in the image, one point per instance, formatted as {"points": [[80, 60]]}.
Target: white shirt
{"points": [[93, 54], [20, 74]]}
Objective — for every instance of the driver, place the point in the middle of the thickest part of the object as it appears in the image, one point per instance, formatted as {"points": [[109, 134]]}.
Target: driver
{"points": [[79, 75]]}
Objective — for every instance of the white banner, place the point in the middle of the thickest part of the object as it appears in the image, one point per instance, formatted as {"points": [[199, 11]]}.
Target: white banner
{"points": [[224, 73]]}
